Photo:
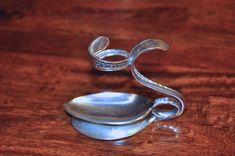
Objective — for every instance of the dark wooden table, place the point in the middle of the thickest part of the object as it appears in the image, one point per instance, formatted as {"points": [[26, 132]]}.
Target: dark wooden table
{"points": [[44, 63]]}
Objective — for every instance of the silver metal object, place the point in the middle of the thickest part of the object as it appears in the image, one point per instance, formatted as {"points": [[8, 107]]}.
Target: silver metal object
{"points": [[110, 132], [115, 115]]}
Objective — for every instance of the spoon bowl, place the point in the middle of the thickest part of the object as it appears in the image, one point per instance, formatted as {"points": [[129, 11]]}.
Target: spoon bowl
{"points": [[118, 108], [110, 107]]}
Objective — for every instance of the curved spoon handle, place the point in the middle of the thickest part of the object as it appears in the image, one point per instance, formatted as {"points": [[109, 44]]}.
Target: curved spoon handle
{"points": [[98, 52], [176, 99]]}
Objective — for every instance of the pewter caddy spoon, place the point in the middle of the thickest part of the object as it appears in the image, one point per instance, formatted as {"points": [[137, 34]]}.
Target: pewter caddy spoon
{"points": [[117, 115]]}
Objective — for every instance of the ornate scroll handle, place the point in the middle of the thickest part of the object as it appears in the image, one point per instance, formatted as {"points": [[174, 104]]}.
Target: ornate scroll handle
{"points": [[98, 51]]}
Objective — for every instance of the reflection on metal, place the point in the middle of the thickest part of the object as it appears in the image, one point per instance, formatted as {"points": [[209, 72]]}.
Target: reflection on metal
{"points": [[116, 115], [119, 142]]}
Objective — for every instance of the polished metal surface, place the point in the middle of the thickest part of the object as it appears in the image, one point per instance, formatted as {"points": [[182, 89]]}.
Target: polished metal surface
{"points": [[98, 53], [118, 108], [110, 132], [115, 115], [119, 131], [110, 107]]}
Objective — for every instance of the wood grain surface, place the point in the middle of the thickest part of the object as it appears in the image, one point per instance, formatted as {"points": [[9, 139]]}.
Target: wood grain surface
{"points": [[44, 63]]}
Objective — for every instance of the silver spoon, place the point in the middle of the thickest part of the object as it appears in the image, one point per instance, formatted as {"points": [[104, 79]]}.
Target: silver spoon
{"points": [[100, 115]]}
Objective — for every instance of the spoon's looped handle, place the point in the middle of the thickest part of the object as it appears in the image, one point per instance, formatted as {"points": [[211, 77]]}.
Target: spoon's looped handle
{"points": [[98, 52]]}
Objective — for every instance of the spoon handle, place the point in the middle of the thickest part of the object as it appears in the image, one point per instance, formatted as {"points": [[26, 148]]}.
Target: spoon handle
{"points": [[98, 52], [175, 99]]}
